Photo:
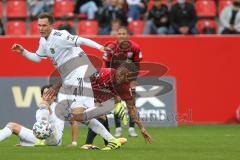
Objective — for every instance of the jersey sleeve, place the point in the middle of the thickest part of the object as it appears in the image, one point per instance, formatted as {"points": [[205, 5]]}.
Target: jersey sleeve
{"points": [[125, 92], [68, 40], [42, 114], [41, 52], [137, 57], [107, 56]]}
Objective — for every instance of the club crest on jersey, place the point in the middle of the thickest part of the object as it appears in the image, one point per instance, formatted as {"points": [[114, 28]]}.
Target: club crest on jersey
{"points": [[52, 50], [129, 54]]}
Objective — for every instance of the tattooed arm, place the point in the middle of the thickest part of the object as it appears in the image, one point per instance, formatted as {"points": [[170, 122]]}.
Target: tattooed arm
{"points": [[132, 110]]}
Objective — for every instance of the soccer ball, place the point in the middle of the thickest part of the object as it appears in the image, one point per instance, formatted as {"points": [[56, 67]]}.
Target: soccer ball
{"points": [[42, 129]]}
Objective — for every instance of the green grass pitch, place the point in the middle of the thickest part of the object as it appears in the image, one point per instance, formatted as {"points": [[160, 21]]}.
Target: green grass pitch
{"points": [[197, 142]]}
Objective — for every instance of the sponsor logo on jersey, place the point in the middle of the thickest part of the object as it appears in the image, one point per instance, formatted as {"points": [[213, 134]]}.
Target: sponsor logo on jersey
{"points": [[52, 50], [129, 54], [57, 33]]}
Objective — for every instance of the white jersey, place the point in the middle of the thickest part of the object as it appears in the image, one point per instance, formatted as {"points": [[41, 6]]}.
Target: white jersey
{"points": [[74, 66], [65, 52], [61, 46], [57, 124]]}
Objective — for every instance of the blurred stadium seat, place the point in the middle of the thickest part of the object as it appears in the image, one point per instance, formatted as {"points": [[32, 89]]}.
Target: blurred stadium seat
{"points": [[34, 28], [223, 4], [136, 27], [206, 23], [81, 16], [63, 8], [205, 8], [86, 27], [58, 23], [151, 3], [1, 9], [16, 28], [16, 9]]}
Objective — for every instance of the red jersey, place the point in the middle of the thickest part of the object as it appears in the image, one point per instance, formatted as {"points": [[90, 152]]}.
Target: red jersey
{"points": [[118, 56], [105, 89]]}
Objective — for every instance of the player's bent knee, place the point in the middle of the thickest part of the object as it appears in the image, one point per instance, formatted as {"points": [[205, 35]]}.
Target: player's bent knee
{"points": [[15, 127], [11, 125], [78, 114]]}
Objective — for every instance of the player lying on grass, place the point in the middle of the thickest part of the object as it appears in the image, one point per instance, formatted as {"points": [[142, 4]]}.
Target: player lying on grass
{"points": [[46, 111], [109, 83]]}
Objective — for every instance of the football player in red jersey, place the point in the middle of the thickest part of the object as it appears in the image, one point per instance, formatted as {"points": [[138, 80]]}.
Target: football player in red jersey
{"points": [[109, 83], [127, 52], [122, 51]]}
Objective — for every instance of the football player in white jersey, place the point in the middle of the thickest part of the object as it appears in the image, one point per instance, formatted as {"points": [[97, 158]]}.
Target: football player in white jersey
{"points": [[46, 111], [75, 70]]}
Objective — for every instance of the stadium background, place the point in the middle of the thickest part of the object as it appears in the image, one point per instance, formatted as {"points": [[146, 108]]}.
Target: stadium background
{"points": [[205, 68]]}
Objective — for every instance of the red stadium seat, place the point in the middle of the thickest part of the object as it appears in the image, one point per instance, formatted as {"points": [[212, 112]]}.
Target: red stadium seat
{"points": [[34, 28], [223, 4], [136, 27], [1, 9], [205, 8], [81, 16], [206, 23], [16, 28], [16, 9], [58, 23], [87, 27], [63, 8]]}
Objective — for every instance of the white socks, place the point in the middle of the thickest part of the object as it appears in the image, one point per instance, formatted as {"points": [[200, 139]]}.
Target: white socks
{"points": [[98, 128], [26, 135], [5, 133]]}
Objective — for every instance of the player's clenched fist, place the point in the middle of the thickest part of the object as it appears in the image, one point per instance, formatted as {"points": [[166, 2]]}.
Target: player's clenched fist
{"points": [[105, 49], [17, 48]]}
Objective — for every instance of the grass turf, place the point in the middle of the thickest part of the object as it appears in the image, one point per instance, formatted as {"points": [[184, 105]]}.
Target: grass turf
{"points": [[198, 142]]}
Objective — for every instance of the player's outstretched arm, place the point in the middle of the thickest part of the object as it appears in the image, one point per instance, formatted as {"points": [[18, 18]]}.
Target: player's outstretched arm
{"points": [[30, 56], [132, 110], [75, 41], [91, 43]]}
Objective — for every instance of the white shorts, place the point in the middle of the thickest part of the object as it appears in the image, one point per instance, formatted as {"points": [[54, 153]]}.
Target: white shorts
{"points": [[76, 101], [77, 89]]}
